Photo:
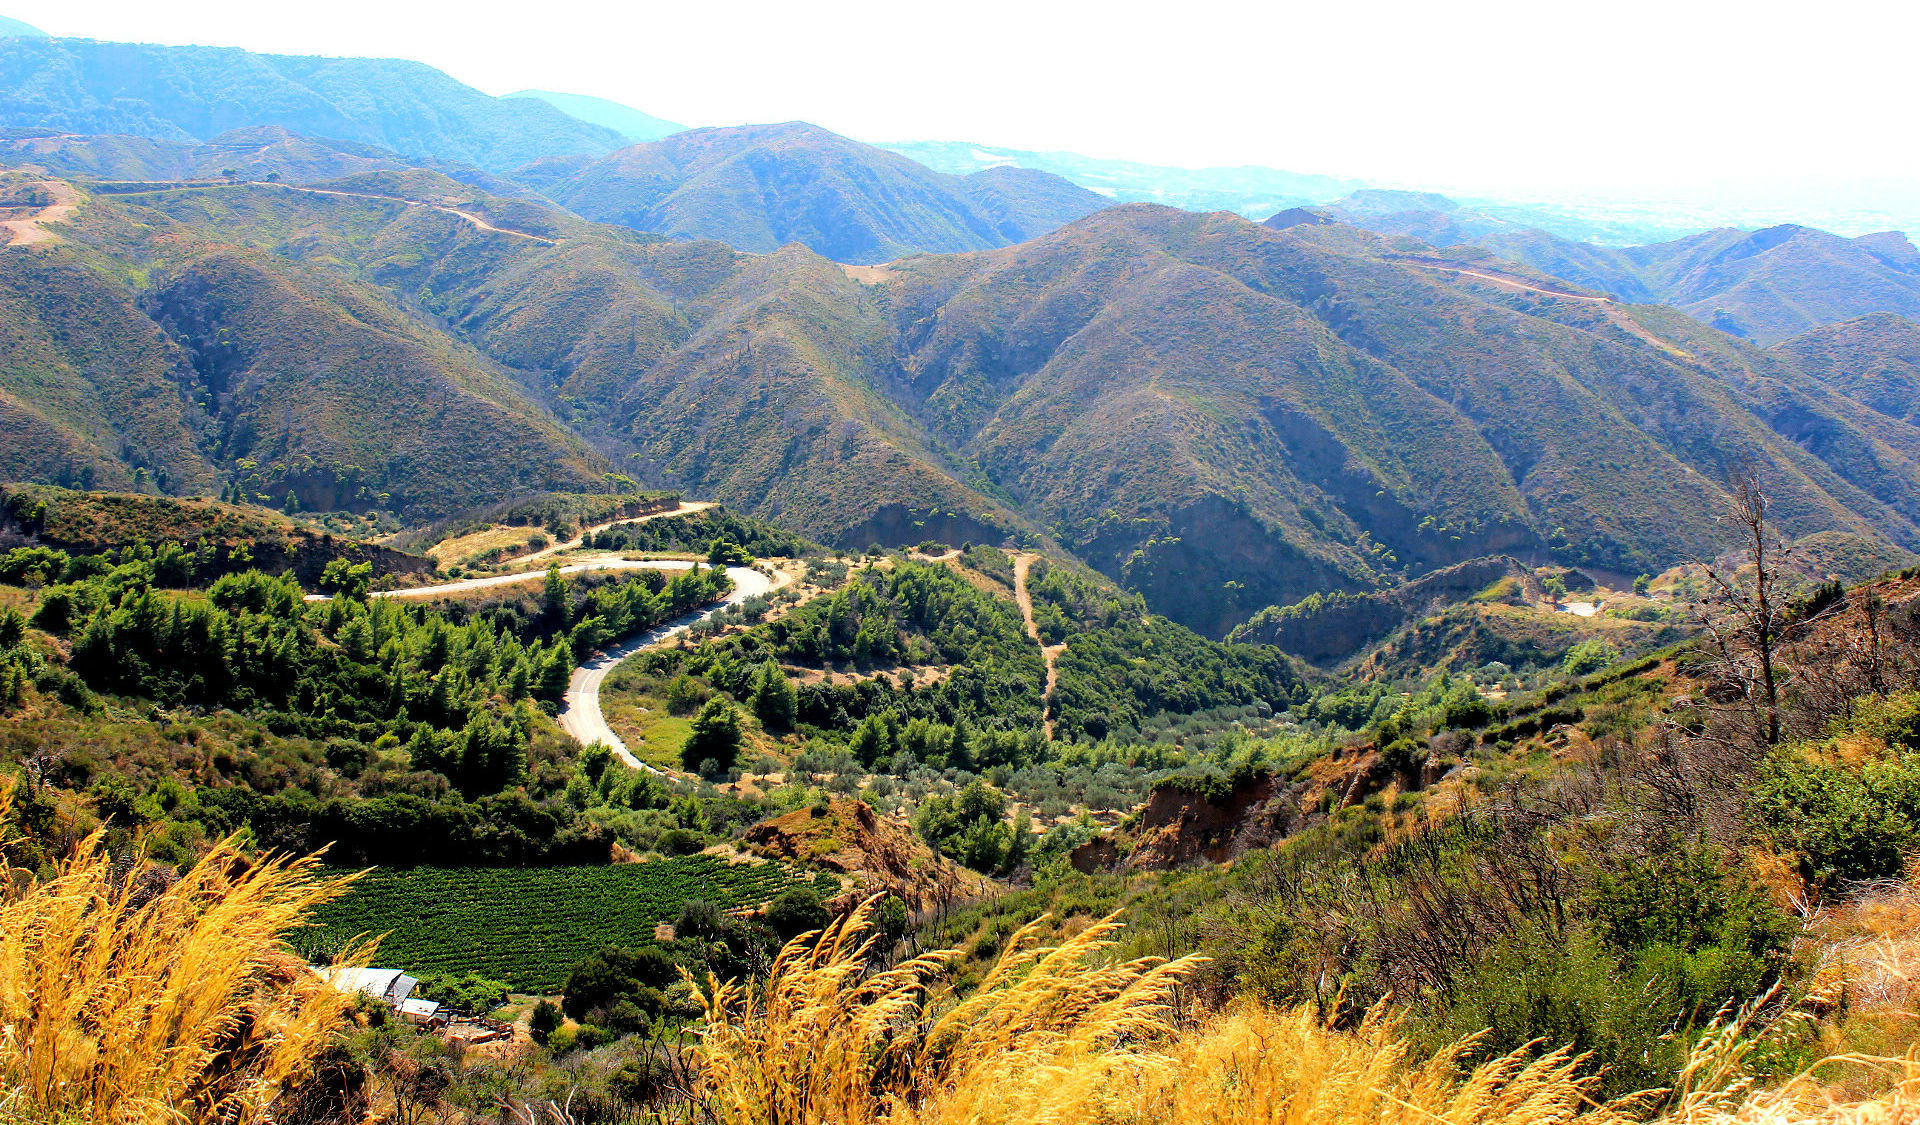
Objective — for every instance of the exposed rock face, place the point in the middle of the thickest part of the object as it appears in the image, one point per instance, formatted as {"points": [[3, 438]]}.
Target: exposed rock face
{"points": [[1335, 627], [1187, 824], [897, 524], [849, 838], [1182, 827]]}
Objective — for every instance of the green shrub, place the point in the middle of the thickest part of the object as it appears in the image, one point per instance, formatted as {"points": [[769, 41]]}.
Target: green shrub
{"points": [[715, 736], [1845, 822], [1589, 656], [468, 992], [613, 975]]}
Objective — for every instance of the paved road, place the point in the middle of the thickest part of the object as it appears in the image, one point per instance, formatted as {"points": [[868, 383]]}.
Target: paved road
{"points": [[518, 577], [580, 709]]}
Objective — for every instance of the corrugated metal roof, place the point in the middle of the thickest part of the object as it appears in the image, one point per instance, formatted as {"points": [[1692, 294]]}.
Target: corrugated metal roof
{"points": [[390, 985]]}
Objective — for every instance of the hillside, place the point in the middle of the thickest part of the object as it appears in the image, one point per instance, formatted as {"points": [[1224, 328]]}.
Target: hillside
{"points": [[1764, 285], [12, 27], [1873, 359], [196, 93], [759, 187], [260, 152], [91, 523], [1219, 415], [1261, 408], [235, 365]]}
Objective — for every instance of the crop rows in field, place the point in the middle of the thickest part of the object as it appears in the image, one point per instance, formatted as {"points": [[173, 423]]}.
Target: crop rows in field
{"points": [[528, 926]]}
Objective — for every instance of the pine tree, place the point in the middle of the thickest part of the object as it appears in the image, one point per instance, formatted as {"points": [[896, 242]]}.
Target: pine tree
{"points": [[556, 669], [871, 741], [558, 597], [959, 747], [774, 701], [715, 736]]}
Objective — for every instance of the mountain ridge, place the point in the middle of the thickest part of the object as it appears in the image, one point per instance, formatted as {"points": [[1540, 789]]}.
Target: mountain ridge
{"points": [[759, 187], [1217, 414], [196, 93], [1766, 285]]}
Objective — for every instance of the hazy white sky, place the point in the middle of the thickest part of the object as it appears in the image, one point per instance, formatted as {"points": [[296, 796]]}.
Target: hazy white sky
{"points": [[1546, 99]]}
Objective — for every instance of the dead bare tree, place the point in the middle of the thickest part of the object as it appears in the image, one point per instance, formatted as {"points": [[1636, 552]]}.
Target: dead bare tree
{"points": [[1743, 615]]}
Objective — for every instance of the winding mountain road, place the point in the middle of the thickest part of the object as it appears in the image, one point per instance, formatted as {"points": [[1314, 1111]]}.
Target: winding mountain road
{"points": [[580, 714], [686, 508], [469, 216]]}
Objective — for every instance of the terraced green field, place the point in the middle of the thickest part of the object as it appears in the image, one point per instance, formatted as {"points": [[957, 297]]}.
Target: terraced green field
{"points": [[528, 926]]}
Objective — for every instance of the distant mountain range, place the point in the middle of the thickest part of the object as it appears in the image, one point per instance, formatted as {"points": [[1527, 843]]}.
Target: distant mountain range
{"points": [[454, 298], [1251, 191], [197, 93], [759, 187], [13, 27], [624, 120], [1764, 285]]}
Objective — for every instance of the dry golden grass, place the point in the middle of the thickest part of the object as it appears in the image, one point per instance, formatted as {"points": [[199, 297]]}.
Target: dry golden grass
{"points": [[1061, 1035], [1041, 1039], [124, 1001], [498, 537], [1869, 948], [1260, 1066]]}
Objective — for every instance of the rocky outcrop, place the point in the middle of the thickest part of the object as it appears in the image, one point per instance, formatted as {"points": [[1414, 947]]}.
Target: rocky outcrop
{"points": [[1187, 823], [850, 839]]}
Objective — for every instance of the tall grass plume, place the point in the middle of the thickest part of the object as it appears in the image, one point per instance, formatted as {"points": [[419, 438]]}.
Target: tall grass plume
{"points": [[127, 998]]}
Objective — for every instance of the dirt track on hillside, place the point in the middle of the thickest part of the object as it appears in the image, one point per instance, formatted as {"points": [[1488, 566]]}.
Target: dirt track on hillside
{"points": [[685, 509], [1021, 564], [31, 230]]}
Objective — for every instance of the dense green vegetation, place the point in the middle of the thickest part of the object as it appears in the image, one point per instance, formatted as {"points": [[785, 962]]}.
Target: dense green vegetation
{"points": [[529, 926], [432, 719], [191, 541], [909, 614], [562, 514]]}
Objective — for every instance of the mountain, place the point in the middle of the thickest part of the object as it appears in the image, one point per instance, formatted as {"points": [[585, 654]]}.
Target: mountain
{"points": [[1247, 190], [1220, 415], [197, 93], [759, 187], [624, 120], [12, 28], [1873, 359], [225, 363], [256, 153], [1769, 284], [1764, 285]]}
